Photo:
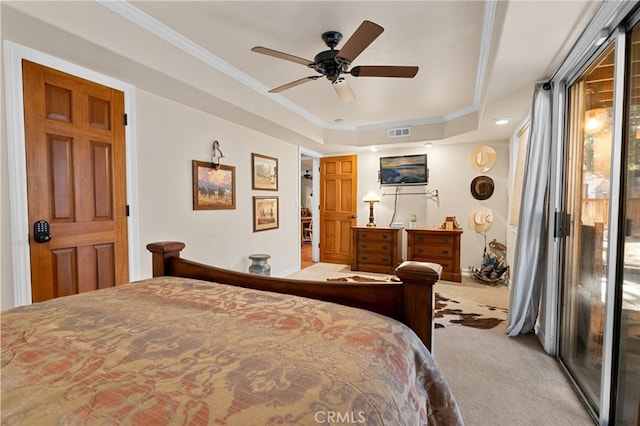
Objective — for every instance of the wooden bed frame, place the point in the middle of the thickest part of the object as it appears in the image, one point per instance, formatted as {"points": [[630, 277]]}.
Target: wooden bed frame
{"points": [[410, 301]]}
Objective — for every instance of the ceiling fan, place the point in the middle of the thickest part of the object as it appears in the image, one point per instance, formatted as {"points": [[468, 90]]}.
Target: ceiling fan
{"points": [[334, 63]]}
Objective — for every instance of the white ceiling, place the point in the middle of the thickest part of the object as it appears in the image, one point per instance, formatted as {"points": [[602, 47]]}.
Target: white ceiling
{"points": [[478, 60]]}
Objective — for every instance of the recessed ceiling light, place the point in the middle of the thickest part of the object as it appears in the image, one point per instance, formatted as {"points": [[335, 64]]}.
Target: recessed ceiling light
{"points": [[428, 145], [502, 121], [373, 149], [338, 121]]}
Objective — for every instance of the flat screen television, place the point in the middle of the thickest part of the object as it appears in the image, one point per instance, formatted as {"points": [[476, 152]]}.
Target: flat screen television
{"points": [[404, 170]]}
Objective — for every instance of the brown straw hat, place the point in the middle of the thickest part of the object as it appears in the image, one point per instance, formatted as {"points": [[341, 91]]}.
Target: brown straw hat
{"points": [[482, 187]]}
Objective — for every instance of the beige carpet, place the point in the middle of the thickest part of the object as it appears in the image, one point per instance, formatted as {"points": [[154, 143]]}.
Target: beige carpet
{"points": [[497, 380]]}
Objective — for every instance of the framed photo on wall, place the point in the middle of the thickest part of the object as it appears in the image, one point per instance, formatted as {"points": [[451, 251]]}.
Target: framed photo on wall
{"points": [[265, 213], [214, 188], [264, 172]]}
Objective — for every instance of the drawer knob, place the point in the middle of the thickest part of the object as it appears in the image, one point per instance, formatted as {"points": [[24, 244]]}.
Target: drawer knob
{"points": [[444, 251], [364, 246], [445, 240], [420, 250], [385, 247]]}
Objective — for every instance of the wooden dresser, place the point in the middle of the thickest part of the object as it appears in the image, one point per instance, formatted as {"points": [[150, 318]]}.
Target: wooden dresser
{"points": [[376, 249], [440, 246]]}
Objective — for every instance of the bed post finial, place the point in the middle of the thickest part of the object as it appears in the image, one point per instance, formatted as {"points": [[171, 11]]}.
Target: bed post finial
{"points": [[161, 253]]}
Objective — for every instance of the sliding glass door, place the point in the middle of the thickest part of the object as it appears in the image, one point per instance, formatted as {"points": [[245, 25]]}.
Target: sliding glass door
{"points": [[588, 187], [628, 293], [599, 342]]}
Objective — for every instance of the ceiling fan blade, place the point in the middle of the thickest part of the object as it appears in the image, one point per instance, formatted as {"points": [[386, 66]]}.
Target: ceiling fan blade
{"points": [[384, 71], [293, 84], [281, 55], [360, 40], [343, 89]]}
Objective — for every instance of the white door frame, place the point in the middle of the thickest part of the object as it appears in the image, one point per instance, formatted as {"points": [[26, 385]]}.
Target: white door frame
{"points": [[315, 208], [17, 169]]}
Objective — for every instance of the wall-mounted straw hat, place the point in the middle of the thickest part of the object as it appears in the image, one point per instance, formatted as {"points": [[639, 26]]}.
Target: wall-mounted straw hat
{"points": [[480, 218], [483, 158]]}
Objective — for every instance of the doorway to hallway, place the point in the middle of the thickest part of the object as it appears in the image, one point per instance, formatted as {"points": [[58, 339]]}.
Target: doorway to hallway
{"points": [[309, 211]]}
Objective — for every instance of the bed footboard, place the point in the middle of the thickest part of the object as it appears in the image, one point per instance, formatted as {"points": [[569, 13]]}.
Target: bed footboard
{"points": [[410, 301]]}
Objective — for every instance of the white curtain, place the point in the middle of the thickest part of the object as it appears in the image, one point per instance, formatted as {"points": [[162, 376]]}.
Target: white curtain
{"points": [[529, 262]]}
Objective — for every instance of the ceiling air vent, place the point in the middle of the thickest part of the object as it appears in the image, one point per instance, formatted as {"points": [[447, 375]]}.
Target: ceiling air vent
{"points": [[400, 132]]}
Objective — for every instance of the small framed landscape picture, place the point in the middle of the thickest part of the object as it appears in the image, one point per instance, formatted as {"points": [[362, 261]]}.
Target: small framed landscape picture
{"points": [[265, 213], [265, 172], [214, 188]]}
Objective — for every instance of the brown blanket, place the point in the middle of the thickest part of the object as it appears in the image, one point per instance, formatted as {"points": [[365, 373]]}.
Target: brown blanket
{"points": [[180, 351]]}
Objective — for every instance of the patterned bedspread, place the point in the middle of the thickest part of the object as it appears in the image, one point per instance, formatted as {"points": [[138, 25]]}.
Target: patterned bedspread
{"points": [[180, 351]]}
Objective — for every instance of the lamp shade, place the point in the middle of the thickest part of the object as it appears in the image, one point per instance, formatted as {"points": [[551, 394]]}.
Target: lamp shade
{"points": [[371, 197]]}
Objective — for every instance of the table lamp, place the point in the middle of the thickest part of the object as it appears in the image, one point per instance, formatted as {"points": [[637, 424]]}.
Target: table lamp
{"points": [[371, 198]]}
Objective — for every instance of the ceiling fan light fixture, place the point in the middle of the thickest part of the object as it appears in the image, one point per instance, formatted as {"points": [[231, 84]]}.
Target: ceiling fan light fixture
{"points": [[343, 89]]}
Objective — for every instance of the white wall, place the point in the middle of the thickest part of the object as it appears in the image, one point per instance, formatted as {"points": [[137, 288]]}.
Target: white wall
{"points": [[6, 258], [451, 173], [171, 135]]}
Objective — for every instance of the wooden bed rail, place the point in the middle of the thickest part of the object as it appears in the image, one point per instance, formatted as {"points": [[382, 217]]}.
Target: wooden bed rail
{"points": [[410, 301]]}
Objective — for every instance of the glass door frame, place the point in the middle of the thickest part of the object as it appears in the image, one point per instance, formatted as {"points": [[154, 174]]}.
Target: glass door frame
{"points": [[565, 201], [606, 412], [616, 204]]}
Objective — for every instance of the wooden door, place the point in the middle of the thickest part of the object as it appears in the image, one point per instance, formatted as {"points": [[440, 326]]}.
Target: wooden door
{"points": [[75, 148], [338, 207]]}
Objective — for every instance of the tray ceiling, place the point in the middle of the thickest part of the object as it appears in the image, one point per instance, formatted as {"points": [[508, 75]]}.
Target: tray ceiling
{"points": [[478, 61]]}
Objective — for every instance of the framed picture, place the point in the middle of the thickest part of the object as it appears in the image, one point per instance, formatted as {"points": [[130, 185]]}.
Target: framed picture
{"points": [[265, 172], [265, 213], [214, 188]]}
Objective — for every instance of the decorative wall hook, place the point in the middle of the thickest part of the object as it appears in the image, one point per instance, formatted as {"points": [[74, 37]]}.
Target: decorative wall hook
{"points": [[216, 155]]}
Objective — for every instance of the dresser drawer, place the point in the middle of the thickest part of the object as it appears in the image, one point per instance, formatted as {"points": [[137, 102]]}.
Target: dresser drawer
{"points": [[447, 264], [379, 246], [431, 251], [375, 258], [374, 236], [433, 239]]}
